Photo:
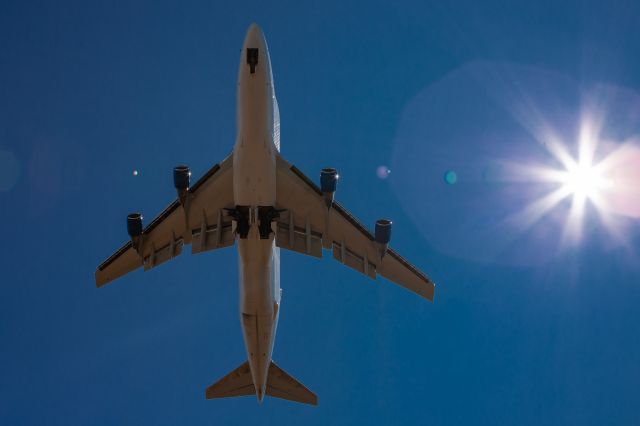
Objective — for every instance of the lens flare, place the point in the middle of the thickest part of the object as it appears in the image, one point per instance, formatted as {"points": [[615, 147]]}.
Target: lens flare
{"points": [[383, 172], [450, 177], [589, 181], [546, 166]]}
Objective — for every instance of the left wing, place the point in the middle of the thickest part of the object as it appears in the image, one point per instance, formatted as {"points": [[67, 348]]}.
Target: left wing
{"points": [[199, 219], [308, 226]]}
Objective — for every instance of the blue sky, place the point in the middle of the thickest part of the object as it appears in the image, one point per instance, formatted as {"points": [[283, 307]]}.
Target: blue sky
{"points": [[527, 327]]}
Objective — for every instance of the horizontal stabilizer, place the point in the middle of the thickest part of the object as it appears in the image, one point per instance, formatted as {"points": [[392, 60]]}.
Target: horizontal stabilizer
{"points": [[236, 383], [282, 385], [279, 385]]}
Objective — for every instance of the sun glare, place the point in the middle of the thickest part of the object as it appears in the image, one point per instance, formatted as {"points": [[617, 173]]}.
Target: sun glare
{"points": [[608, 184], [583, 180]]}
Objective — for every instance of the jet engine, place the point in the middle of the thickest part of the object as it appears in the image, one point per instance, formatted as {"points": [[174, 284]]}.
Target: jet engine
{"points": [[134, 225], [383, 235], [134, 229], [328, 183], [181, 178]]}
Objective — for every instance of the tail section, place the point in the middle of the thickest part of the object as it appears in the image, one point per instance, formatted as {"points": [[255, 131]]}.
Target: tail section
{"points": [[279, 385]]}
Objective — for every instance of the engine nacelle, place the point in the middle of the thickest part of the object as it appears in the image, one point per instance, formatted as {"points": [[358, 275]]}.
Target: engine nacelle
{"points": [[383, 235], [181, 180], [328, 183], [134, 225], [134, 229], [181, 177]]}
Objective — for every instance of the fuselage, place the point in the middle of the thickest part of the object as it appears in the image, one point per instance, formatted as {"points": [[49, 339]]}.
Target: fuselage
{"points": [[254, 188]]}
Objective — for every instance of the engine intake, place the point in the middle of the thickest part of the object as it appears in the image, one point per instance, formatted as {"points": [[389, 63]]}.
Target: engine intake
{"points": [[134, 225], [383, 231], [328, 183], [181, 180], [383, 235], [181, 177]]}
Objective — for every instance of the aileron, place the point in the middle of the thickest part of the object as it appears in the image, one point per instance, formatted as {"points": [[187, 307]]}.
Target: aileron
{"points": [[126, 259], [394, 268]]}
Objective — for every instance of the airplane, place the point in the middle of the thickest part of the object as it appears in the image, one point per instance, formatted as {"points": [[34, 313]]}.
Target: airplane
{"points": [[255, 199]]}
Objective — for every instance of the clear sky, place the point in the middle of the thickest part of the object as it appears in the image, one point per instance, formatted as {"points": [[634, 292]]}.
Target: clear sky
{"points": [[434, 114]]}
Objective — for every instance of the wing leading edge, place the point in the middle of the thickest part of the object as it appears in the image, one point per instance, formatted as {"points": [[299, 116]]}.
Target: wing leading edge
{"points": [[309, 225]]}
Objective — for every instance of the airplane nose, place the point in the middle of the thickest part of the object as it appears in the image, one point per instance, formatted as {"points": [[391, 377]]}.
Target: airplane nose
{"points": [[255, 28], [255, 49], [254, 36]]}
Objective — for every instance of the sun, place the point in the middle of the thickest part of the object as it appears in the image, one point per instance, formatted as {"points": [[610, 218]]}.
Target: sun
{"points": [[589, 181], [583, 180]]}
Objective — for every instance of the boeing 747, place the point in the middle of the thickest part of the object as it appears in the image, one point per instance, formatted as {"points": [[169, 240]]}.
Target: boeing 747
{"points": [[258, 201]]}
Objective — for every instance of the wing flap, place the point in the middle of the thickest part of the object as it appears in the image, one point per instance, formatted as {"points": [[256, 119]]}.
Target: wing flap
{"points": [[299, 239], [212, 237], [344, 255], [160, 255]]}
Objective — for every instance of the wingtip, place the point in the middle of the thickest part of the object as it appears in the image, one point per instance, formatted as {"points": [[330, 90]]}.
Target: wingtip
{"points": [[99, 279], [432, 293], [429, 292], [208, 394]]}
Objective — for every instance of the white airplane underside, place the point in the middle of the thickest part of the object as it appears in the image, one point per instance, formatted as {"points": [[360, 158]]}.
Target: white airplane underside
{"points": [[256, 199]]}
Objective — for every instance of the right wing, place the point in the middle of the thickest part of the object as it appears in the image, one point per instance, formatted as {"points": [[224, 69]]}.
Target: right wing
{"points": [[308, 226], [205, 225]]}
